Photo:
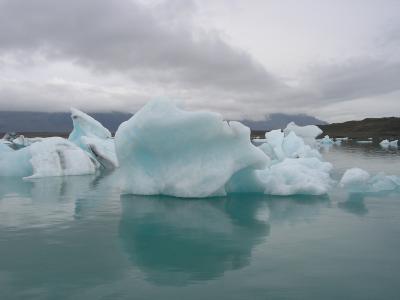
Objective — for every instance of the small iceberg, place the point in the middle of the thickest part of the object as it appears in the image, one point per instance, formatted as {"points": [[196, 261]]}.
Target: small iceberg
{"points": [[387, 144], [359, 180]]}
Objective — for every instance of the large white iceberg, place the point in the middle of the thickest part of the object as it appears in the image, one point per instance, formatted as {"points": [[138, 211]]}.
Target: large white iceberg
{"points": [[94, 138], [165, 150], [359, 180]]}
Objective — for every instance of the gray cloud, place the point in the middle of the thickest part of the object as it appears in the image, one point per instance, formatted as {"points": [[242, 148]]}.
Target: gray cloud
{"points": [[124, 36], [158, 46]]}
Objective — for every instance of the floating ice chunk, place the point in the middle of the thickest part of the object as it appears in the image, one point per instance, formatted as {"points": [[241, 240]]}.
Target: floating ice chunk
{"points": [[393, 143], [342, 139], [359, 180], [278, 147], [384, 143], [364, 142], [165, 150], [326, 140], [51, 157], [309, 176], [355, 179], [308, 133], [259, 140], [59, 157], [95, 139]]}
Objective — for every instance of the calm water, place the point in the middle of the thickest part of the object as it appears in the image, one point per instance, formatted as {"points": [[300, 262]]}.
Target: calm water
{"points": [[78, 238]]}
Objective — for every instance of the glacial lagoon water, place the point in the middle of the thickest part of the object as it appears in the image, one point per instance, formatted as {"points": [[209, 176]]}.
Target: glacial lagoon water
{"points": [[78, 238]]}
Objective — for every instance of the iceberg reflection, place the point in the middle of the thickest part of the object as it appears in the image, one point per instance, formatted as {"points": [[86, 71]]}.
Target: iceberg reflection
{"points": [[177, 242]]}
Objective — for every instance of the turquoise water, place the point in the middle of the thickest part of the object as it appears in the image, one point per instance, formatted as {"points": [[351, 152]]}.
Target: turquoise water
{"points": [[78, 238]]}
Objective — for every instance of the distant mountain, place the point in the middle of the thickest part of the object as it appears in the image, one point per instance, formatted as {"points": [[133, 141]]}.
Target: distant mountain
{"points": [[369, 127], [278, 120], [61, 122]]}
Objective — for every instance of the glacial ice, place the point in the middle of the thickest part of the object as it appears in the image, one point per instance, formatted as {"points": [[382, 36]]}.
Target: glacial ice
{"points": [[4, 147], [359, 180], [51, 157], [278, 146], [304, 176], [293, 168], [59, 157], [95, 139], [326, 140], [387, 143], [308, 133], [166, 150]]}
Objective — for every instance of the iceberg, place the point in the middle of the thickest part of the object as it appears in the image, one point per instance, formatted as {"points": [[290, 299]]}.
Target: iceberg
{"points": [[359, 180], [305, 176], [308, 133], [326, 140], [93, 138], [293, 168], [51, 157], [165, 150], [387, 143], [278, 146]]}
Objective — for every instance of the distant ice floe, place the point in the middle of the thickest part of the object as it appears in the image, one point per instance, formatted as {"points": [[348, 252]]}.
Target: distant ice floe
{"points": [[364, 142], [164, 150], [387, 144]]}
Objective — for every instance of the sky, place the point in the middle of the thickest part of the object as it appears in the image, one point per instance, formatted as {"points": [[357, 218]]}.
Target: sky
{"points": [[336, 60]]}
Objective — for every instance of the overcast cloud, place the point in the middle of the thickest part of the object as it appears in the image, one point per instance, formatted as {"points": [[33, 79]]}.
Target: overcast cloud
{"points": [[116, 55]]}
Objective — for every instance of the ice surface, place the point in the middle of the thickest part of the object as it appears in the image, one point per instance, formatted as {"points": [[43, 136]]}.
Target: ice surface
{"points": [[165, 150], [364, 142], [4, 147], [359, 180], [95, 139], [308, 133]]}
